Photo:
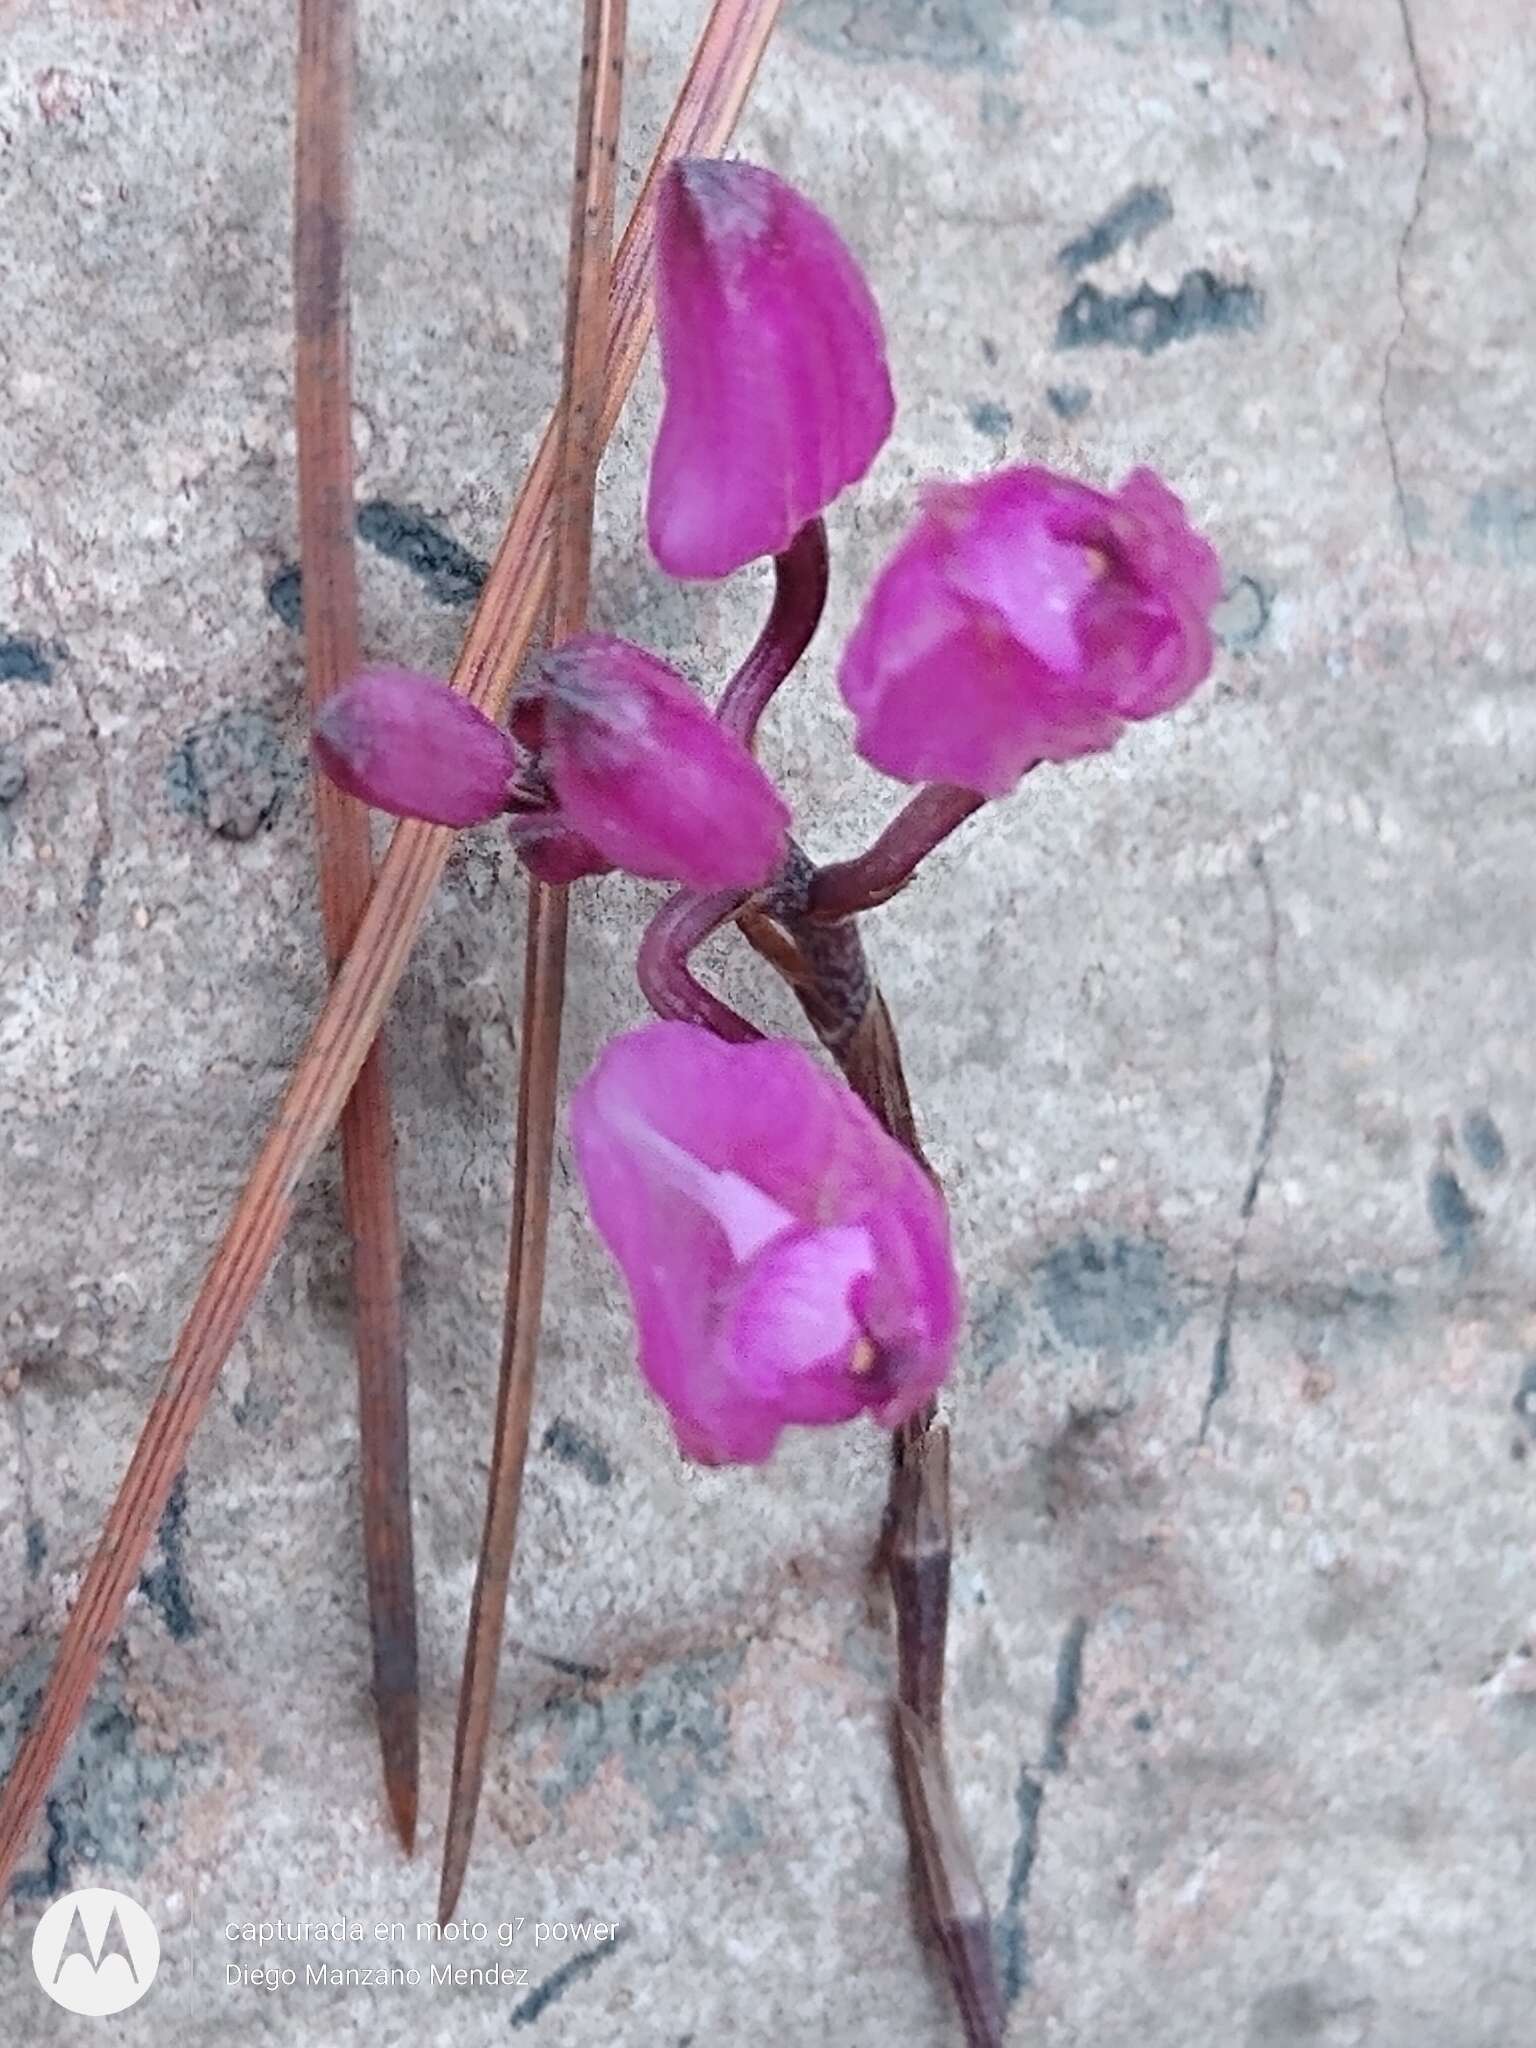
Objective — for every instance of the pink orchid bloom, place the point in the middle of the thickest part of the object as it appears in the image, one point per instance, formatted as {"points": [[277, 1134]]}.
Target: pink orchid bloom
{"points": [[788, 1261], [1026, 617], [643, 776], [773, 359], [408, 744]]}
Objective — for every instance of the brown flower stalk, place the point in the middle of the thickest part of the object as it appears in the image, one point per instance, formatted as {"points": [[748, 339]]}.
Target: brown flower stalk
{"points": [[586, 332], [823, 962], [711, 98], [322, 221]]}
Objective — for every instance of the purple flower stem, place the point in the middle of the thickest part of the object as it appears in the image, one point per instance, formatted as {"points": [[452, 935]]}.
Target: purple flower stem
{"points": [[683, 923], [799, 595], [878, 874]]}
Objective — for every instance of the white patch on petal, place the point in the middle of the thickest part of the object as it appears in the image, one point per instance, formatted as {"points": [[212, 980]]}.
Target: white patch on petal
{"points": [[747, 1217]]}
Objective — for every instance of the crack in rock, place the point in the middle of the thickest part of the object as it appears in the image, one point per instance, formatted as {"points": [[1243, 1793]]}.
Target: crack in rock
{"points": [[1011, 1936], [88, 913], [1389, 360], [1269, 1124]]}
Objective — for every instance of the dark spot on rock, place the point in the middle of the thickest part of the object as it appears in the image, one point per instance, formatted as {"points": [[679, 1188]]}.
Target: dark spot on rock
{"points": [[37, 1547], [1239, 620], [988, 350], [100, 1811], [1067, 1698], [1334, 1617], [23, 661], [1068, 401], [1524, 1403], [1484, 1140], [739, 1833], [997, 1324], [232, 773], [1011, 1937], [165, 1588], [407, 535], [1287, 2015], [285, 594], [572, 1447], [1109, 1294], [1149, 320], [571, 1667], [1000, 109], [1453, 1216], [1130, 219], [1143, 1722], [951, 35], [669, 1732], [989, 417], [1504, 520], [13, 775], [93, 888], [1091, 13], [558, 1982]]}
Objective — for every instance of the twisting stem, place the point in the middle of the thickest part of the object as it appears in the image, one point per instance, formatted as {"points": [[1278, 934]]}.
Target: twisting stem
{"points": [[799, 598], [681, 925], [588, 282], [323, 387], [849, 886], [835, 992]]}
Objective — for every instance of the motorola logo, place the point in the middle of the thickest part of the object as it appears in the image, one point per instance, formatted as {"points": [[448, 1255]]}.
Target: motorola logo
{"points": [[95, 1952]]}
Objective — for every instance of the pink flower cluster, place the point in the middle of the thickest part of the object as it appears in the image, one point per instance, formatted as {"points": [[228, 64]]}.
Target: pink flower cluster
{"points": [[787, 1261]]}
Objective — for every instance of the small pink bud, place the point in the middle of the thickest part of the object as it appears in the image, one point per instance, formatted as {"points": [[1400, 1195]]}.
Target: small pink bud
{"points": [[409, 744], [787, 1260], [643, 777], [1024, 618], [773, 359]]}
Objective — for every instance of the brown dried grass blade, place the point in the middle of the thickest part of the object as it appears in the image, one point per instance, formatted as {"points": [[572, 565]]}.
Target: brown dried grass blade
{"points": [[707, 107], [588, 281], [322, 224]]}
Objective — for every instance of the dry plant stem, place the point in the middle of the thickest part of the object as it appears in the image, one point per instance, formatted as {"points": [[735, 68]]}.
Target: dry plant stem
{"points": [[322, 222], [586, 332], [947, 1876], [712, 97], [849, 1015], [850, 886], [918, 1545]]}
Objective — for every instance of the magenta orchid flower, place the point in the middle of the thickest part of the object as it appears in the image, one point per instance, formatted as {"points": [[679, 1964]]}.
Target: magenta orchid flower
{"points": [[773, 359], [407, 744], [1026, 617], [788, 1261], [643, 777]]}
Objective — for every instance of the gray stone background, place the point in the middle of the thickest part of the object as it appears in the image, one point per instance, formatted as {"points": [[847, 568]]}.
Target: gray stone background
{"points": [[1223, 1046]]}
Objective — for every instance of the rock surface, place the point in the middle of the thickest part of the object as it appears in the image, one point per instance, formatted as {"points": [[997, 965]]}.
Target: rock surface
{"points": [[1223, 1046]]}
